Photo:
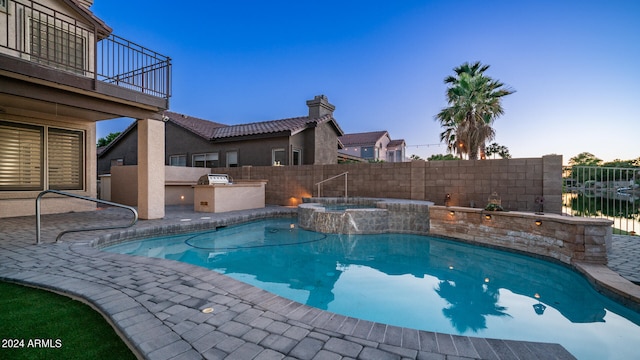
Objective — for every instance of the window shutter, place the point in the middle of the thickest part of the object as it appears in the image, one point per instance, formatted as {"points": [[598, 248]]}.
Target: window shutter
{"points": [[21, 157], [65, 159]]}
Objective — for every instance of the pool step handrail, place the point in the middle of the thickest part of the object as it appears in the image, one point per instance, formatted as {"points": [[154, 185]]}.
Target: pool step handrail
{"points": [[39, 198], [333, 177]]}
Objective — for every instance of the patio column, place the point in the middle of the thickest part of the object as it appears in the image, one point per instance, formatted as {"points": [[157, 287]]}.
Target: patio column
{"points": [[150, 169]]}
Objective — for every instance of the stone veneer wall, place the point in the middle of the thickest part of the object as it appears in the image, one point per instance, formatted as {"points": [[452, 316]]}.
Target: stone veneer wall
{"points": [[566, 239], [469, 182], [384, 216]]}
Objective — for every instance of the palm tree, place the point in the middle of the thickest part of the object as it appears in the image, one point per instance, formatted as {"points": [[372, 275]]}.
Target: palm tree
{"points": [[474, 103], [496, 149]]}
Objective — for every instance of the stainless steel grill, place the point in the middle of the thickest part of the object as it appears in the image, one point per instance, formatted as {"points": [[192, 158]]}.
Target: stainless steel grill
{"points": [[211, 179]]}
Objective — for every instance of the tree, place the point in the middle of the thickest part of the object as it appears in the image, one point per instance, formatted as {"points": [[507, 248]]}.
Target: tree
{"points": [[415, 157], [500, 150], [107, 139], [442, 157], [585, 159], [475, 101]]}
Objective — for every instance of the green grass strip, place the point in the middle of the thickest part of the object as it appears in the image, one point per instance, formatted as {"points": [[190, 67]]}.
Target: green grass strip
{"points": [[38, 324]]}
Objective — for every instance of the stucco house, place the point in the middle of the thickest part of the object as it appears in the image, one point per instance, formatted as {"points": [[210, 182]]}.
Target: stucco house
{"points": [[194, 142], [62, 70], [373, 146]]}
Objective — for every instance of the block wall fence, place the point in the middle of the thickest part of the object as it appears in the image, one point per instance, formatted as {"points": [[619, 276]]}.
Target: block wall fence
{"points": [[470, 183]]}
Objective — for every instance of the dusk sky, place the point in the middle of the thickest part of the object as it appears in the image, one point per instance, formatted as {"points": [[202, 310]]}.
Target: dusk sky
{"points": [[575, 65]]}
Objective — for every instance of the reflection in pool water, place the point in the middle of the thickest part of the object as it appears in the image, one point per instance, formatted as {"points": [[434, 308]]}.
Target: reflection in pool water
{"points": [[413, 281]]}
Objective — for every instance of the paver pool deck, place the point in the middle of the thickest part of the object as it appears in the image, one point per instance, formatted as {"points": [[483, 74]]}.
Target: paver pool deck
{"points": [[156, 304]]}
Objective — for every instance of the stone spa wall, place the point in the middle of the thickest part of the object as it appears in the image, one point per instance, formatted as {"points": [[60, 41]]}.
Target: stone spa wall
{"points": [[563, 238], [368, 216]]}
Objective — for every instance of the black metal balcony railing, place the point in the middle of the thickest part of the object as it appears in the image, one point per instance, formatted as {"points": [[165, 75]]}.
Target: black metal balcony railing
{"points": [[37, 33]]}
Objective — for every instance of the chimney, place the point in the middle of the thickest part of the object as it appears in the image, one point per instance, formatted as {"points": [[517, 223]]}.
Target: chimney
{"points": [[319, 107]]}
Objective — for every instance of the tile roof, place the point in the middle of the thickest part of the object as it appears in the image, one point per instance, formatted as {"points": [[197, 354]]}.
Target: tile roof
{"points": [[211, 130], [292, 125], [358, 139], [397, 142], [201, 127]]}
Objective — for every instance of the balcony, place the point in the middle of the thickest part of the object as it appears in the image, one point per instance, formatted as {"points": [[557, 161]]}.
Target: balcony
{"points": [[39, 42]]}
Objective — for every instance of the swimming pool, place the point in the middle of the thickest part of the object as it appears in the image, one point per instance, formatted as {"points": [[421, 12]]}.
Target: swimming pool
{"points": [[413, 281]]}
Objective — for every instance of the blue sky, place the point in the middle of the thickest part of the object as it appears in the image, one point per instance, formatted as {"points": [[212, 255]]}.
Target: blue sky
{"points": [[573, 64]]}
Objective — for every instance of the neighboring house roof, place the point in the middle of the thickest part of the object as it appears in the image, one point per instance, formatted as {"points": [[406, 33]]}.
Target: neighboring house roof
{"points": [[396, 143], [105, 149], [361, 139], [291, 125], [201, 127], [210, 130]]}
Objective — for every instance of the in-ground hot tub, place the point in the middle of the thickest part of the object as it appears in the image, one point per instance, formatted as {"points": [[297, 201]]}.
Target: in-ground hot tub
{"points": [[364, 215]]}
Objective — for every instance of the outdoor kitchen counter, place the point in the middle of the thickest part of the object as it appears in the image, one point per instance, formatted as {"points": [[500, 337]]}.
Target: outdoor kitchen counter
{"points": [[239, 195]]}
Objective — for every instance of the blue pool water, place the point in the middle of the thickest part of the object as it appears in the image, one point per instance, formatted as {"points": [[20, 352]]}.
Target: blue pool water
{"points": [[413, 281]]}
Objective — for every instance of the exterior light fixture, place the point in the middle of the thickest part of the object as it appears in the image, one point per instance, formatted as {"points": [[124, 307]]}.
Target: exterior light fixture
{"points": [[452, 212], [487, 217], [539, 308], [538, 222]]}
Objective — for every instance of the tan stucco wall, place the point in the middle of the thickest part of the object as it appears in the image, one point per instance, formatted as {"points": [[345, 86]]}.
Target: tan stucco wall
{"points": [[179, 182], [124, 185], [150, 169]]}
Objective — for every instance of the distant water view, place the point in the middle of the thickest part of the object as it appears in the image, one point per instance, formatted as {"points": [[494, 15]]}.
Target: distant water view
{"points": [[602, 192]]}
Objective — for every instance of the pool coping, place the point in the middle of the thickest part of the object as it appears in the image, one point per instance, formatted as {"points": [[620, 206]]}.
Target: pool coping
{"points": [[155, 305]]}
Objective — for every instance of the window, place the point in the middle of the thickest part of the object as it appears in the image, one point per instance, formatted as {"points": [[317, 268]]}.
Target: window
{"points": [[3, 5], [23, 166], [21, 157], [56, 47], [278, 157], [117, 162], [394, 156], [178, 160], [367, 152], [297, 157], [232, 159], [391, 155], [208, 160], [66, 170]]}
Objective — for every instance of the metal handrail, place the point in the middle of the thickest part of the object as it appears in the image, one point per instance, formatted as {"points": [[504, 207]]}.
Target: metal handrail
{"points": [[333, 177], [135, 214]]}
